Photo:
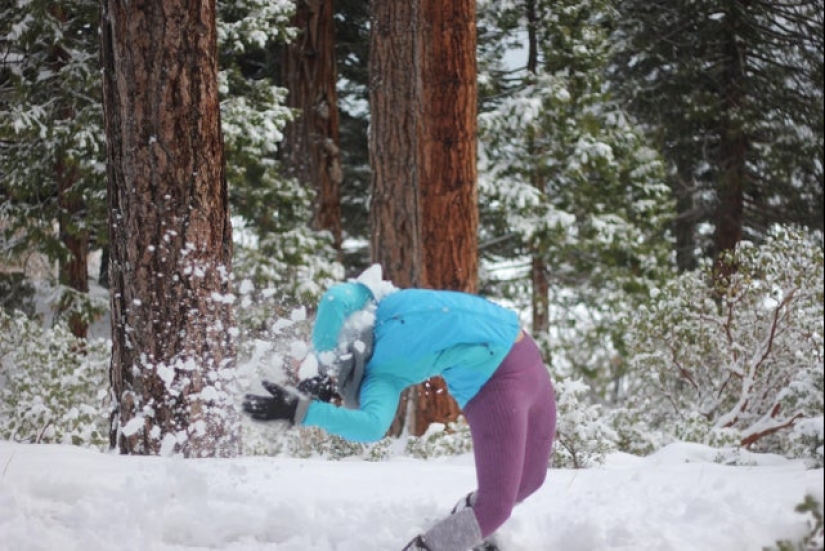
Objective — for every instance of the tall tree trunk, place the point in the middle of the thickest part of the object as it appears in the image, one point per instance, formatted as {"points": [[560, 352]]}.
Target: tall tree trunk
{"points": [[423, 211], [170, 232], [395, 241], [447, 144], [447, 168], [540, 285], [311, 142], [73, 270], [394, 212], [733, 150]]}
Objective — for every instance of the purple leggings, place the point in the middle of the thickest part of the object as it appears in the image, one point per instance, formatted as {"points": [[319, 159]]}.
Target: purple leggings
{"points": [[513, 422]]}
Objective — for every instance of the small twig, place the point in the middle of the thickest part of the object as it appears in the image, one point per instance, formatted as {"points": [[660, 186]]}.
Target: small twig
{"points": [[6, 466]]}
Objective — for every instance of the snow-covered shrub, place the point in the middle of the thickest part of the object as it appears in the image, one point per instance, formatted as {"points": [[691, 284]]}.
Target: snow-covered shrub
{"points": [[807, 440], [311, 442], [696, 427], [738, 359], [260, 438], [440, 440], [16, 292], [67, 304], [52, 384], [632, 429], [379, 451], [583, 434], [814, 540]]}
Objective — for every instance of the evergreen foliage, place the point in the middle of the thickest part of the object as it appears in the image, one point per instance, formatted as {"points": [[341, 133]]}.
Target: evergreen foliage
{"points": [[51, 116], [52, 147], [276, 249], [696, 72], [814, 540], [567, 175], [53, 386]]}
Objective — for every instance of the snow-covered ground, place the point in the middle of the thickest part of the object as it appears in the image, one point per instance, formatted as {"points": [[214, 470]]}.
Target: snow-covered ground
{"points": [[62, 498]]}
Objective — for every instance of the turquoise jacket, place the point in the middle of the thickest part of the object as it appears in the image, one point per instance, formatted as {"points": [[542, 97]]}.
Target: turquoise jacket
{"points": [[418, 334]]}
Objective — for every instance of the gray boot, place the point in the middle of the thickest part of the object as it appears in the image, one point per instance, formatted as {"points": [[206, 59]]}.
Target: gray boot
{"points": [[491, 542], [457, 532]]}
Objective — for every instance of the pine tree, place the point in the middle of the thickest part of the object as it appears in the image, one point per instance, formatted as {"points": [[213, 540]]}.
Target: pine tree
{"points": [[311, 146], [570, 181], [352, 51], [52, 143], [278, 250], [734, 93]]}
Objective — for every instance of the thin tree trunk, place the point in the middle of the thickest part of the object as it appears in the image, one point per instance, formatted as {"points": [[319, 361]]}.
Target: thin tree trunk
{"points": [[685, 223], [311, 142], [395, 241], [733, 150], [74, 271], [540, 285]]}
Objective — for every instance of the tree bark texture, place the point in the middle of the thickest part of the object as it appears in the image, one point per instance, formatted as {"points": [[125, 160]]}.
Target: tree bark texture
{"points": [[394, 222], [447, 168], [394, 205], [424, 212], [311, 142], [170, 232], [447, 146]]}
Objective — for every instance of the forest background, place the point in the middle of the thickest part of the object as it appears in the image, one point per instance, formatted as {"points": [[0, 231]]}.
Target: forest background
{"points": [[643, 181]]}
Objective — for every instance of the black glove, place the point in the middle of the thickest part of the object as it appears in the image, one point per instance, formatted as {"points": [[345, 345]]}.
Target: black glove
{"points": [[282, 405], [320, 387]]}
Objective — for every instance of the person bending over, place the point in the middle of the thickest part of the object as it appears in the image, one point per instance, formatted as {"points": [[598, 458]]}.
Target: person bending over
{"points": [[372, 341]]}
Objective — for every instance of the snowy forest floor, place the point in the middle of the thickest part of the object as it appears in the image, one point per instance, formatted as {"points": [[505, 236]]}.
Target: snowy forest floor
{"points": [[682, 498]]}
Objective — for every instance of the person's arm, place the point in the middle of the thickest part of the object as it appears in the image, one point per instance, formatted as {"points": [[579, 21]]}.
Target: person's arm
{"points": [[369, 423]]}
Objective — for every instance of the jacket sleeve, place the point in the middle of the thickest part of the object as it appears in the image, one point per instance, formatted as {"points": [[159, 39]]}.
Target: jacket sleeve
{"points": [[369, 423]]}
